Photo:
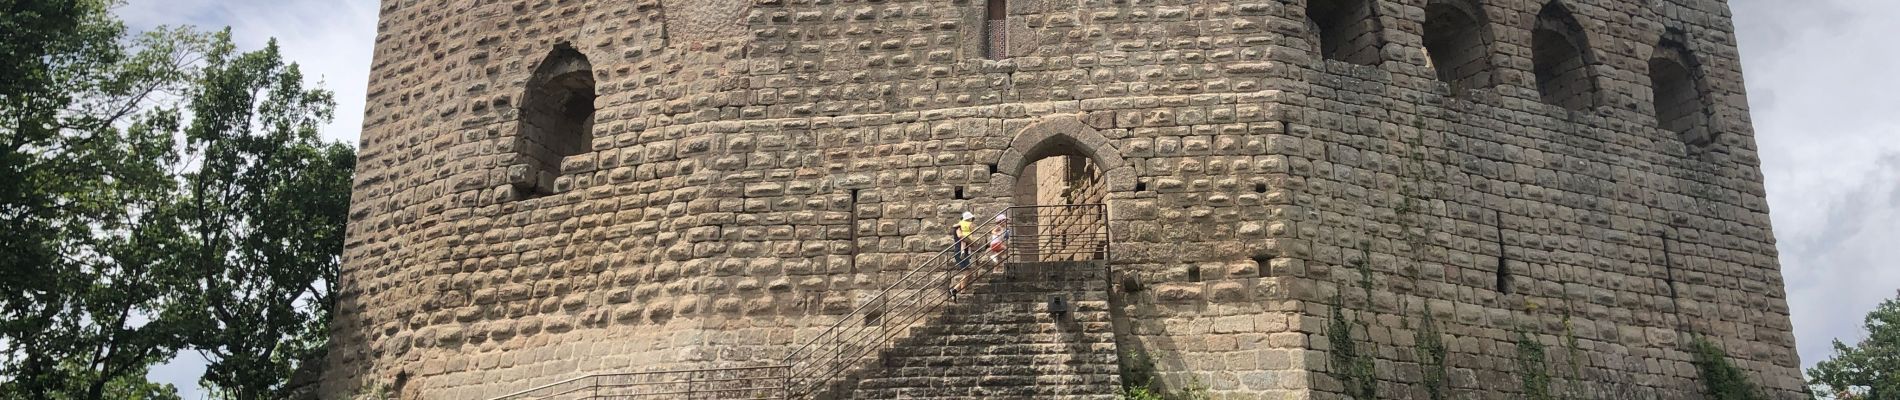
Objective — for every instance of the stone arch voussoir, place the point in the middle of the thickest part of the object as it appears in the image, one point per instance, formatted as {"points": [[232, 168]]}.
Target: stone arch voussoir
{"points": [[1064, 134], [1036, 141]]}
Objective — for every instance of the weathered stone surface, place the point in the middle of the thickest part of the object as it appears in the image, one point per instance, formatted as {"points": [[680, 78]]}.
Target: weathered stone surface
{"points": [[751, 168]]}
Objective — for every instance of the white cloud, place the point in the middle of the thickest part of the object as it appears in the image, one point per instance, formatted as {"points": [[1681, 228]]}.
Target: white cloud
{"points": [[332, 40], [1818, 79]]}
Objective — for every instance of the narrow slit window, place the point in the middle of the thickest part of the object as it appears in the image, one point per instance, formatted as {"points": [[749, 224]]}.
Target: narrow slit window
{"points": [[1669, 268], [1504, 259], [996, 29]]}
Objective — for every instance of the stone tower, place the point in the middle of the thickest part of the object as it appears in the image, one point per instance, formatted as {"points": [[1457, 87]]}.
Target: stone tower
{"points": [[1307, 198]]}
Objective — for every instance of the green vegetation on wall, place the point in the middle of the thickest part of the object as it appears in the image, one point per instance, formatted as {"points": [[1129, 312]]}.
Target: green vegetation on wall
{"points": [[1351, 367], [1574, 357], [1721, 379], [1139, 378], [1430, 346], [1532, 369]]}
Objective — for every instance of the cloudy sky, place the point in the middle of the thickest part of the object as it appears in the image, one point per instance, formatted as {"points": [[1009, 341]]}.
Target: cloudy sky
{"points": [[1828, 121], [1826, 109]]}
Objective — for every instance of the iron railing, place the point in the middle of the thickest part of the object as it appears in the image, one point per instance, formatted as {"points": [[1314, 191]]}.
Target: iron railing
{"points": [[1033, 234], [881, 318], [756, 383]]}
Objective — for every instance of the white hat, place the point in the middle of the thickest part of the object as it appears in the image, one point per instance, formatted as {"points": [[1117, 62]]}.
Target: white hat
{"points": [[968, 216], [1002, 217]]}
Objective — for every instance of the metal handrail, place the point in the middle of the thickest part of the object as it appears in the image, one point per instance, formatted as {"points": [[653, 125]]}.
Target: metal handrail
{"points": [[920, 280], [1082, 234], [1077, 233], [771, 382]]}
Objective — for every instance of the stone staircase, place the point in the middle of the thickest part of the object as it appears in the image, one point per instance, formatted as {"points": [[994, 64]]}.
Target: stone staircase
{"points": [[1000, 341], [911, 340]]}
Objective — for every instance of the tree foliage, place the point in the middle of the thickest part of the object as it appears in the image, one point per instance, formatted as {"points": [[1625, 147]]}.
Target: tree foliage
{"points": [[158, 192], [83, 159], [263, 216], [1869, 369]]}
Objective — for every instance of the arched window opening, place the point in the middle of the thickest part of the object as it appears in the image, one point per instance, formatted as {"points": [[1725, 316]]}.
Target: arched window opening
{"points": [[1457, 45], [1680, 106], [1348, 30], [1561, 59], [996, 29], [1063, 190], [557, 119]]}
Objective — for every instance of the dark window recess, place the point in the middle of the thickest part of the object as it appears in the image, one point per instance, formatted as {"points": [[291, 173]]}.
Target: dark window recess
{"points": [[852, 232], [960, 195], [1504, 260], [1344, 30], [1260, 187], [993, 169], [1669, 267], [557, 120], [1457, 43], [1141, 186], [1266, 265], [1504, 273], [1681, 106], [1560, 57], [996, 29], [1194, 273]]}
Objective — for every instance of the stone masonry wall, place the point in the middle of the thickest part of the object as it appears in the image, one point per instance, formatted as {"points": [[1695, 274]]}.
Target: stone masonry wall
{"points": [[1618, 240], [757, 166]]}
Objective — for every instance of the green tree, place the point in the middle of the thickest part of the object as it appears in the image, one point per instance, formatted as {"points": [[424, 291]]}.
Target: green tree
{"points": [[84, 307], [1869, 369], [263, 217], [130, 235]]}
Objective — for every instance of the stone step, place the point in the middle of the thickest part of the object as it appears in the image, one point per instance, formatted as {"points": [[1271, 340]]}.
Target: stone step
{"points": [[1031, 294], [997, 340], [969, 336], [1016, 317], [1037, 288], [1067, 351], [1026, 384], [947, 375], [999, 364], [983, 393], [1037, 299]]}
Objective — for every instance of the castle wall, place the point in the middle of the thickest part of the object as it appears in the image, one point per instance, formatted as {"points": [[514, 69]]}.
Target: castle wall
{"points": [[758, 166], [1619, 241]]}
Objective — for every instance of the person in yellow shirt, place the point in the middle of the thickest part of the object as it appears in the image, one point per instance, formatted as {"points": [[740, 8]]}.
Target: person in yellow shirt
{"points": [[966, 226], [961, 232]]}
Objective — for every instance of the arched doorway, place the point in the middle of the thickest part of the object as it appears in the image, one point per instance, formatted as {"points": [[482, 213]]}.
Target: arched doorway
{"points": [[1062, 176], [1059, 196]]}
